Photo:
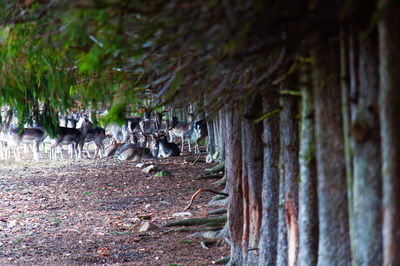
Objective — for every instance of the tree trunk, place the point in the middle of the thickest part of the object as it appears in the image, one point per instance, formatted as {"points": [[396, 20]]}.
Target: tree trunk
{"points": [[365, 142], [389, 104], [346, 67], [222, 135], [282, 252], [308, 200], [334, 245], [252, 154], [267, 246], [289, 135], [233, 164]]}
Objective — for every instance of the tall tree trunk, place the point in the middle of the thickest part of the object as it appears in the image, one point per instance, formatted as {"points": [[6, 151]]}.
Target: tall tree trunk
{"points": [[267, 246], [365, 142], [211, 131], [345, 70], [334, 244], [222, 135], [289, 135], [308, 200], [282, 252], [389, 104], [253, 159], [233, 164]]}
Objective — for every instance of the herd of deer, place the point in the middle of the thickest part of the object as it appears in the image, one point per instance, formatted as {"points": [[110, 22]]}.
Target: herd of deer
{"points": [[138, 138]]}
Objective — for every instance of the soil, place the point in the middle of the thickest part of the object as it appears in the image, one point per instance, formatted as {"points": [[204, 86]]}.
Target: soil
{"points": [[88, 212]]}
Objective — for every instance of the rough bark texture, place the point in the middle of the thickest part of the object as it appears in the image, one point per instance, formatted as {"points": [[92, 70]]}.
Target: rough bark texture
{"points": [[308, 200], [282, 252], [253, 159], [345, 62], [389, 104], [222, 135], [289, 134], [233, 164], [246, 201], [334, 244], [267, 246], [365, 142]]}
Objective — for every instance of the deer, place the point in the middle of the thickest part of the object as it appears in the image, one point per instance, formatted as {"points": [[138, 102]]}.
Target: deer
{"points": [[16, 136], [97, 135], [134, 152], [72, 136], [183, 130], [163, 147], [199, 132], [112, 148]]}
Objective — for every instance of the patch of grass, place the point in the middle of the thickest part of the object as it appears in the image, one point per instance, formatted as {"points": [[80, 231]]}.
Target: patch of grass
{"points": [[185, 242], [18, 240], [87, 192], [55, 221], [120, 233]]}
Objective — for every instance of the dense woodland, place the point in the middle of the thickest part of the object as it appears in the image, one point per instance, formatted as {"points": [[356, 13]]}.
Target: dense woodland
{"points": [[301, 97]]}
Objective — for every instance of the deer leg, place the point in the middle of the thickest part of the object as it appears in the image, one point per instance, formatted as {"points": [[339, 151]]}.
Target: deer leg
{"points": [[36, 151], [189, 140]]}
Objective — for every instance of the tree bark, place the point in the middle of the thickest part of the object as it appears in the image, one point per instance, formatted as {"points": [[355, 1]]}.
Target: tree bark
{"points": [[389, 106], [334, 245], [308, 200], [233, 164], [267, 246], [365, 142], [282, 252], [221, 136], [289, 135], [252, 154]]}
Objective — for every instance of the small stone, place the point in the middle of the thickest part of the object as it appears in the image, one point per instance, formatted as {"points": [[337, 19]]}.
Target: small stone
{"points": [[182, 214], [149, 168], [148, 205], [147, 226]]}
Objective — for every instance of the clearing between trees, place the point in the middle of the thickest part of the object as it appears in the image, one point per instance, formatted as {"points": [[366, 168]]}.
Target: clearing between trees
{"points": [[90, 212]]}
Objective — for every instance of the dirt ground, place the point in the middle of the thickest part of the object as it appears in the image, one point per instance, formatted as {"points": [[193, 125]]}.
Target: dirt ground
{"points": [[85, 212]]}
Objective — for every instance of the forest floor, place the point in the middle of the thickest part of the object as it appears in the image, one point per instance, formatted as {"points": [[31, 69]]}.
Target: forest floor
{"points": [[74, 212]]}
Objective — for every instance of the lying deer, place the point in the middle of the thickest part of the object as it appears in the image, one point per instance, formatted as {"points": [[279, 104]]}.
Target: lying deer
{"points": [[163, 147], [113, 148], [131, 151]]}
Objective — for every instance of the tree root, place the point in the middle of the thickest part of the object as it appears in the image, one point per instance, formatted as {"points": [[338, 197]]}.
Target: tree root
{"points": [[224, 260], [196, 221], [220, 167], [221, 183], [217, 211], [200, 190], [209, 176]]}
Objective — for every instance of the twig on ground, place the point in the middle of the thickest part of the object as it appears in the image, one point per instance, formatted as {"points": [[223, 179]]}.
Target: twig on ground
{"points": [[195, 161], [200, 190]]}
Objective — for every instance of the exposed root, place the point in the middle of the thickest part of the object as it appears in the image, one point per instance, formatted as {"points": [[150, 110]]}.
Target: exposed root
{"points": [[224, 260], [217, 211], [200, 190], [196, 221], [221, 183], [210, 176], [220, 167]]}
